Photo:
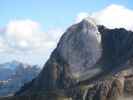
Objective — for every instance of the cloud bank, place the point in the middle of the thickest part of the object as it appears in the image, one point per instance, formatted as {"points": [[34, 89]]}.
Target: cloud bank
{"points": [[113, 16], [27, 35], [26, 38]]}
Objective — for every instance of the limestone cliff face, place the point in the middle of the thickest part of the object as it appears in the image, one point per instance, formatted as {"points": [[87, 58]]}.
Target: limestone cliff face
{"points": [[117, 50], [77, 52], [80, 47], [117, 60]]}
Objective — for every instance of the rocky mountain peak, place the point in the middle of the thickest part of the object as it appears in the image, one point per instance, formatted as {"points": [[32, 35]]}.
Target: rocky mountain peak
{"points": [[77, 51], [79, 46], [83, 68]]}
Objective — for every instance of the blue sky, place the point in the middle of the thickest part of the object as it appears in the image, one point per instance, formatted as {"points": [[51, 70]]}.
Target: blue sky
{"points": [[30, 29], [52, 13]]}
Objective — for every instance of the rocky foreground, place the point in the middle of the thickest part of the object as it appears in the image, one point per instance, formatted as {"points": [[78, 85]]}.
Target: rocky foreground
{"points": [[90, 62], [113, 88]]}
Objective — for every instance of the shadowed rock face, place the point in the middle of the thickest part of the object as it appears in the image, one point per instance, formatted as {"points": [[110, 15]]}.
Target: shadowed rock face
{"points": [[117, 50], [77, 51], [117, 55], [117, 46]]}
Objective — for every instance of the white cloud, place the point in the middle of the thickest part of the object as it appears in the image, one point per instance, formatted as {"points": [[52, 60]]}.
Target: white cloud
{"points": [[2, 45], [24, 34], [113, 16], [28, 35], [25, 38]]}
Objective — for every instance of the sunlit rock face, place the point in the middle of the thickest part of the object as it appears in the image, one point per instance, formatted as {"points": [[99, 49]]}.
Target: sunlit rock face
{"points": [[80, 46], [76, 53]]}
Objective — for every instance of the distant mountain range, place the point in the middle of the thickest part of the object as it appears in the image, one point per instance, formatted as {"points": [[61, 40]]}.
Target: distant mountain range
{"points": [[14, 74]]}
